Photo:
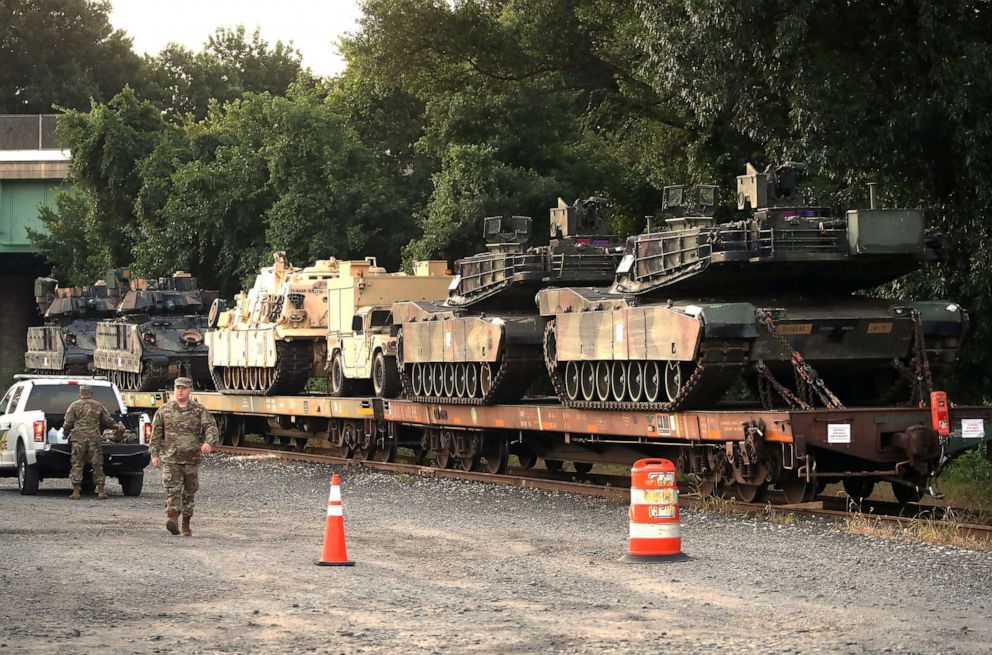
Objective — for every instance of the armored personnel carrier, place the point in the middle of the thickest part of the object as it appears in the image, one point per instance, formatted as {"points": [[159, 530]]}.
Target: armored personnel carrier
{"points": [[331, 319], [483, 344], [65, 343], [157, 335], [697, 305]]}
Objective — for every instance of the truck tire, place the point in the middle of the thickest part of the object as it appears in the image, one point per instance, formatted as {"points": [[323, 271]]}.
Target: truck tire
{"points": [[338, 385], [131, 484], [27, 474], [385, 376]]}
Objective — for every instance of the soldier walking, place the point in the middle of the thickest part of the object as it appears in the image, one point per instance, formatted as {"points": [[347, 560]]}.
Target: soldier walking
{"points": [[182, 431], [85, 420]]}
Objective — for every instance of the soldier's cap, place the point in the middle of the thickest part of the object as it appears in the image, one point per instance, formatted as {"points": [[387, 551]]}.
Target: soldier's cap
{"points": [[85, 387], [183, 382]]}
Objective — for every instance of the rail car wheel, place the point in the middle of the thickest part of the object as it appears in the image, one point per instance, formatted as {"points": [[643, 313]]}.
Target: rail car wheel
{"points": [[674, 380], [300, 444], [748, 493], [907, 494], [603, 381], [525, 454], [443, 458], [635, 380], [553, 465], [485, 379], [285, 441], [268, 439], [496, 452], [469, 463], [858, 488], [459, 373], [652, 381], [618, 380], [582, 468], [587, 380], [386, 452], [798, 489], [471, 380], [709, 488]]}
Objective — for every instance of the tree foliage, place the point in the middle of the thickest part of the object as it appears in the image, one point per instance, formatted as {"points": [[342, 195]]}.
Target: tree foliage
{"points": [[60, 53]]}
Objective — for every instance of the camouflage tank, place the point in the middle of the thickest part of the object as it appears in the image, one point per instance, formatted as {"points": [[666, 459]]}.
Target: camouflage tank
{"points": [[697, 305], [65, 343], [330, 319], [157, 335], [483, 344]]}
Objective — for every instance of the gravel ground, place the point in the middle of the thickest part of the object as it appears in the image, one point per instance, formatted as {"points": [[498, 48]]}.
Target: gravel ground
{"points": [[456, 567]]}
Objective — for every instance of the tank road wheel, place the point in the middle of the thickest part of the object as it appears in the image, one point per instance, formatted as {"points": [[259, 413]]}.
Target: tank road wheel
{"points": [[448, 370], [858, 488], [635, 380], [417, 379], [748, 493], [674, 380], [907, 494], [603, 381], [496, 451], [572, 382], [236, 377], [471, 380], [437, 378], [338, 384], [485, 379], [553, 465], [226, 376], [253, 378], [652, 381], [798, 490], [587, 380], [618, 380], [459, 373], [385, 376]]}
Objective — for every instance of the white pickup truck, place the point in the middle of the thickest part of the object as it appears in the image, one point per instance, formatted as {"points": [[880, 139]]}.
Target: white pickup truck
{"points": [[32, 445]]}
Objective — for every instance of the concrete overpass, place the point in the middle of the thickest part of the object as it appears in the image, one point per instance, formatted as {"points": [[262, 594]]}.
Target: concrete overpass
{"points": [[32, 168]]}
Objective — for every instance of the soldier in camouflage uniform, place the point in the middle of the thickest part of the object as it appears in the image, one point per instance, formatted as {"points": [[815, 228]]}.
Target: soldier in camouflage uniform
{"points": [[181, 431], [85, 419]]}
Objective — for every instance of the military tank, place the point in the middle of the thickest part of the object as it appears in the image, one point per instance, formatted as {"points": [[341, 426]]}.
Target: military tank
{"points": [[483, 344], [65, 343], [157, 335], [697, 306], [327, 320]]}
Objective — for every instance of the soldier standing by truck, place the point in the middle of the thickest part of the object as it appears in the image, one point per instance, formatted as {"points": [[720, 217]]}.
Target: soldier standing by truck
{"points": [[85, 420], [182, 431]]}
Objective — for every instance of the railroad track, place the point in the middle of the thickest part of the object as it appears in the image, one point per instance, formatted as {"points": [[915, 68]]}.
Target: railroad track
{"points": [[618, 488]]}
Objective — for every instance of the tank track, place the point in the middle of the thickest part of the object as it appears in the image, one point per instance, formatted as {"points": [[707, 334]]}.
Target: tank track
{"points": [[294, 364], [514, 374], [709, 381]]}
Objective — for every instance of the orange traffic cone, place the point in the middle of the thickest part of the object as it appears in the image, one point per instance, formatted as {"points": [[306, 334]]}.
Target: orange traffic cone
{"points": [[334, 552]]}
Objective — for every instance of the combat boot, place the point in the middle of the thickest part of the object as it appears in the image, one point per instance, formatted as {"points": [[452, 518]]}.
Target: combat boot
{"points": [[76, 490], [101, 494], [171, 524], [186, 532]]}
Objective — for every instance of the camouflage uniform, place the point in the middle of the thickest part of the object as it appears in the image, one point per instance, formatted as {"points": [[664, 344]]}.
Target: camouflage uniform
{"points": [[84, 421], [177, 434]]}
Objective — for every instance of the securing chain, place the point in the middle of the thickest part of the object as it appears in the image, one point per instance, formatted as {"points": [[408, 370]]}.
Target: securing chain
{"points": [[805, 374], [924, 377]]}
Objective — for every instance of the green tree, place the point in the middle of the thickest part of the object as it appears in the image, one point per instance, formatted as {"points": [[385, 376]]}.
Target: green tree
{"points": [[60, 53], [230, 64]]}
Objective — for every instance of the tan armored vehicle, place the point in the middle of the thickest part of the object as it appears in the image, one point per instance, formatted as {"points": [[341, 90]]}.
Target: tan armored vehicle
{"points": [[361, 340], [294, 324]]}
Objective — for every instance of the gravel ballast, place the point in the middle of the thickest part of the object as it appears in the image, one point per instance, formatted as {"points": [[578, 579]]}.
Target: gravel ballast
{"points": [[447, 566]]}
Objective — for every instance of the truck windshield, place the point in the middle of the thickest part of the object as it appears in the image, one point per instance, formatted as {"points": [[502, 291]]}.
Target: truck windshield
{"points": [[56, 398]]}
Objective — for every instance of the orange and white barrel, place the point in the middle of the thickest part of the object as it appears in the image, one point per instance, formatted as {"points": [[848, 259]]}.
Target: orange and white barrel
{"points": [[655, 531]]}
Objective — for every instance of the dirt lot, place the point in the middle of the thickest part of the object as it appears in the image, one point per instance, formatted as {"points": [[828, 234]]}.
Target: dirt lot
{"points": [[445, 566]]}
